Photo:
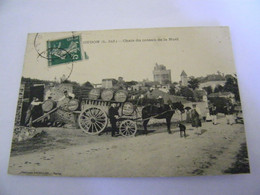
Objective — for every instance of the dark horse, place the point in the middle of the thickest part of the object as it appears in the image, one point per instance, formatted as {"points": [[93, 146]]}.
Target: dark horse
{"points": [[163, 112]]}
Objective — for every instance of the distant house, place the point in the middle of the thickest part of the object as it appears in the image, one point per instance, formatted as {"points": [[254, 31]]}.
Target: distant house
{"points": [[108, 83], [98, 85], [164, 88], [212, 80]]}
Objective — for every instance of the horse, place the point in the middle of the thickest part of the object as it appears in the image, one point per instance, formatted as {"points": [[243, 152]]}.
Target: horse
{"points": [[163, 112]]}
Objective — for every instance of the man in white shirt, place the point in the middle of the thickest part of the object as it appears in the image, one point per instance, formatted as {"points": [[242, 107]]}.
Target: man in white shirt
{"points": [[67, 95], [63, 101]]}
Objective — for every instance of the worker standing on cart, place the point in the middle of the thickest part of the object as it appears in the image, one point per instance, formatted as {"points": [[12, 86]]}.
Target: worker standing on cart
{"points": [[113, 116]]}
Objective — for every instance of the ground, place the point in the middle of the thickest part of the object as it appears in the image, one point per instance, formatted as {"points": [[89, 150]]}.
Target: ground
{"points": [[213, 150]]}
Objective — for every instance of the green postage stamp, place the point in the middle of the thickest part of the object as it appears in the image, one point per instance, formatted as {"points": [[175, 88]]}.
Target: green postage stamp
{"points": [[63, 51]]}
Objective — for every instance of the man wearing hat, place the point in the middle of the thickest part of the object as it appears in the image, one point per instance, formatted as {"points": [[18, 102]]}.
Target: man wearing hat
{"points": [[113, 117]]}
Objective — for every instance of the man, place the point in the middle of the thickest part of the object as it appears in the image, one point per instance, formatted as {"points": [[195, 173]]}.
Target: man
{"points": [[49, 93], [64, 100], [229, 114], [113, 116], [195, 117], [67, 95], [33, 111], [213, 113]]}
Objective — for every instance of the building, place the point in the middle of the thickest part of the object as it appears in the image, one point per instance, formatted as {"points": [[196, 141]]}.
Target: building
{"points": [[97, 85], [184, 79], [161, 74], [108, 83], [213, 81]]}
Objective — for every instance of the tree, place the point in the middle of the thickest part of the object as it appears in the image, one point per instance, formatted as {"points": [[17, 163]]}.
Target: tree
{"points": [[218, 88], [231, 85], [193, 83], [187, 92], [208, 89], [172, 89]]}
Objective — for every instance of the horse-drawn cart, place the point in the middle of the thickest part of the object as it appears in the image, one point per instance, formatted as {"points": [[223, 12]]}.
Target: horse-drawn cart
{"points": [[93, 117]]}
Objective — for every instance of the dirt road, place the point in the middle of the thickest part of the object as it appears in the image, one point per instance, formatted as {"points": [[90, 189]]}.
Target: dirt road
{"points": [[69, 152]]}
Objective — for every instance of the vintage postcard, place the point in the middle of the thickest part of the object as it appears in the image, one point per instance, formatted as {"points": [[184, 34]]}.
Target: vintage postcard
{"points": [[159, 102]]}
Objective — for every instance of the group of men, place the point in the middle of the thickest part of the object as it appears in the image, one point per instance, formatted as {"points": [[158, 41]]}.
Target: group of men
{"points": [[228, 110], [34, 110]]}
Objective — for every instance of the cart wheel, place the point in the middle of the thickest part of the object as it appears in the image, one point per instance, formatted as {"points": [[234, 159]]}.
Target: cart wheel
{"points": [[93, 120], [128, 128]]}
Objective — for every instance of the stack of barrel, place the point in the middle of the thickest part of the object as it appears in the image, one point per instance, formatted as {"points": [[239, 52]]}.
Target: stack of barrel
{"points": [[113, 95], [66, 104], [108, 95]]}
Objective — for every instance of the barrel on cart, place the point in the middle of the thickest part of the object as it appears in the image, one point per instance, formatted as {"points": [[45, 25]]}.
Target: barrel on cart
{"points": [[93, 118]]}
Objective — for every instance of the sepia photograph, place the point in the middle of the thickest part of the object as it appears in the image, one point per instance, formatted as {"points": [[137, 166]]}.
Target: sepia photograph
{"points": [[155, 102]]}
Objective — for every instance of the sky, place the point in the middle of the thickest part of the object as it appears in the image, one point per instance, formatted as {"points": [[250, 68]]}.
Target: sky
{"points": [[132, 54]]}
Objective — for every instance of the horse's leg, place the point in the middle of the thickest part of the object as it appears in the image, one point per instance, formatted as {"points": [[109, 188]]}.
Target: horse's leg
{"points": [[145, 125], [168, 121]]}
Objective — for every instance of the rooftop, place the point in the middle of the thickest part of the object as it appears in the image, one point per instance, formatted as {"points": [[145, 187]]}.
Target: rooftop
{"points": [[183, 73]]}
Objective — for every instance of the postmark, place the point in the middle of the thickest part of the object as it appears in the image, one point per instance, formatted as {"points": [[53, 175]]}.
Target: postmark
{"points": [[61, 51]]}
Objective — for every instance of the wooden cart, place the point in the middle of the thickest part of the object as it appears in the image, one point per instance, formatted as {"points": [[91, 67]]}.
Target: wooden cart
{"points": [[93, 117]]}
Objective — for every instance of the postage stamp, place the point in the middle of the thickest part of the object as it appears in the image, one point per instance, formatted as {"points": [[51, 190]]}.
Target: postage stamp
{"points": [[64, 50]]}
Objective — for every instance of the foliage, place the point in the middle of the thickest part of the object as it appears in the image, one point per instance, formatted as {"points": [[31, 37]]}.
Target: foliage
{"points": [[172, 89], [220, 103], [198, 95], [193, 83], [187, 92], [208, 89], [231, 85], [218, 88], [130, 83]]}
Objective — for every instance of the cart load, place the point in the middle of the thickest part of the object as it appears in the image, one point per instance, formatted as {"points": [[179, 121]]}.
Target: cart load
{"points": [[108, 95]]}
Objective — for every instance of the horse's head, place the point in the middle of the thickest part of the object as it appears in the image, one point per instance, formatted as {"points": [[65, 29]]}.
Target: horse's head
{"points": [[179, 106]]}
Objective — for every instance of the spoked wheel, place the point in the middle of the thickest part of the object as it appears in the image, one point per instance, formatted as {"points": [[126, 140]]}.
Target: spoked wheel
{"points": [[93, 120], [128, 128]]}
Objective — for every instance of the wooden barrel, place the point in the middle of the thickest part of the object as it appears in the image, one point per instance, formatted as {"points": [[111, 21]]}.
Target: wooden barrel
{"points": [[121, 96], [48, 105], [94, 94], [73, 104], [128, 108], [107, 94]]}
